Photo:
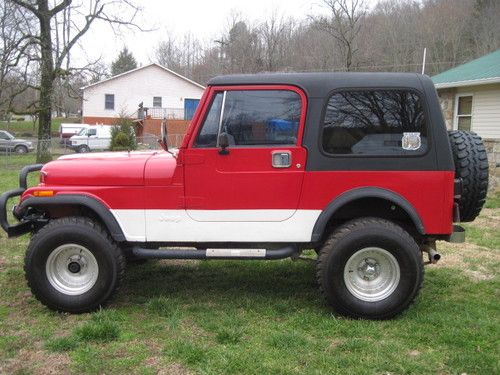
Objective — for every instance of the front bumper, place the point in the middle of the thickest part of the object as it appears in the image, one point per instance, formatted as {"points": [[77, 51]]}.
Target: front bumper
{"points": [[24, 226]]}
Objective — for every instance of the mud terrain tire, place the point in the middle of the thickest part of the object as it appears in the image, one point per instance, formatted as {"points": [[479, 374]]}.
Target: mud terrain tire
{"points": [[471, 165]]}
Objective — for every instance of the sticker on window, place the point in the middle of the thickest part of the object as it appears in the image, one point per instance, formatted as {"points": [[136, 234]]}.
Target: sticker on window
{"points": [[411, 141]]}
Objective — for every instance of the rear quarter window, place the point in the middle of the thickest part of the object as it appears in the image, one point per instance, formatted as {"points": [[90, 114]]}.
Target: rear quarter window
{"points": [[375, 122]]}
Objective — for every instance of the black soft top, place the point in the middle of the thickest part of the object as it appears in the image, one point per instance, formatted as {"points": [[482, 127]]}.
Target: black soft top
{"points": [[320, 84]]}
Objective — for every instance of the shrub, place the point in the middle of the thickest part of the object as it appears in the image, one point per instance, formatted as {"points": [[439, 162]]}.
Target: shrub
{"points": [[122, 135]]}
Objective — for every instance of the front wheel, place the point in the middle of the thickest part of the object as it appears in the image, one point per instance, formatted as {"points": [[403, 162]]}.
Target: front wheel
{"points": [[370, 268], [21, 149], [72, 265]]}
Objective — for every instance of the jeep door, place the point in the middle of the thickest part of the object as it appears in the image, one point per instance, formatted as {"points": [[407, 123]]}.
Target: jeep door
{"points": [[258, 177]]}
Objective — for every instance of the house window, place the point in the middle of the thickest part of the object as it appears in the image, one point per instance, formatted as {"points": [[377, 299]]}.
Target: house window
{"points": [[463, 117], [157, 101], [109, 101]]}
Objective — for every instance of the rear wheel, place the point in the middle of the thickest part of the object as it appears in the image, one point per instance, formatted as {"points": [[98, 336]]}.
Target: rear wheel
{"points": [[83, 148], [370, 268], [72, 265]]}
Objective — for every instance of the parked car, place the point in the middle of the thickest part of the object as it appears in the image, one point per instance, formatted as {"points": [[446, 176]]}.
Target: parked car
{"points": [[357, 166], [91, 138], [66, 131], [12, 144]]}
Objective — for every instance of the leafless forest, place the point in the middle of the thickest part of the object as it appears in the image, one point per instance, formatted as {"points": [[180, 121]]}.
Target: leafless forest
{"points": [[390, 37]]}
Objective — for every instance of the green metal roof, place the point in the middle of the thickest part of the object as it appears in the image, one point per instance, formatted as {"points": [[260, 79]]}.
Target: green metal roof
{"points": [[483, 70]]}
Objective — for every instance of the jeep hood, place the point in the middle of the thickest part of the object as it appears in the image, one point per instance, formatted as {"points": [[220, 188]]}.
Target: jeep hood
{"points": [[102, 169]]}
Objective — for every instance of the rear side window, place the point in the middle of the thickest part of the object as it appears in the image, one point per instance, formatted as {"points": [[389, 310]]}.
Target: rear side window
{"points": [[252, 118], [375, 122]]}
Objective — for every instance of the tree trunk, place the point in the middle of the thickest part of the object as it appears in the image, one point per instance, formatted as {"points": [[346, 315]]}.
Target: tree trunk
{"points": [[46, 85]]}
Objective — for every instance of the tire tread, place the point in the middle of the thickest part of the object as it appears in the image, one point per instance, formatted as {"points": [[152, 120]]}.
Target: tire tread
{"points": [[341, 232], [83, 221]]}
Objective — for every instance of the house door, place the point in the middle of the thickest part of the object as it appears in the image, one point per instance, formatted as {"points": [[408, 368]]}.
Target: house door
{"points": [[190, 107]]}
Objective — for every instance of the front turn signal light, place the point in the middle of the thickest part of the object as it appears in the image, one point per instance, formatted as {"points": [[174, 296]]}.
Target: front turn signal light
{"points": [[43, 193]]}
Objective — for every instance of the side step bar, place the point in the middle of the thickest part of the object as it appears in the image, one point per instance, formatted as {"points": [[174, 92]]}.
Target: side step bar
{"points": [[261, 254]]}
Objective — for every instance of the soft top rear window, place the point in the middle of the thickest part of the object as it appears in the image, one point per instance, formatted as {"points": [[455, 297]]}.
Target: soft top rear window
{"points": [[374, 122]]}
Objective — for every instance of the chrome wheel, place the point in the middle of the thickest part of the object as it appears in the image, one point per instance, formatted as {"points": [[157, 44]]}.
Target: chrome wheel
{"points": [[372, 274], [72, 269]]}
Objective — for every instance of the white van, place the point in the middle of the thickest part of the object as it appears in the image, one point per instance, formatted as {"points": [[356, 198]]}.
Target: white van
{"points": [[66, 131], [93, 137]]}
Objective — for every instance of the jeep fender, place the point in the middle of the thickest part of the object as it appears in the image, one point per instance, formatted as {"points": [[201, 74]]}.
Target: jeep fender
{"points": [[359, 193], [91, 203]]}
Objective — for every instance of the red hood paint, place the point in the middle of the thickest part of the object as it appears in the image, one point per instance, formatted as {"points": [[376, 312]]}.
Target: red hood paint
{"points": [[103, 169]]}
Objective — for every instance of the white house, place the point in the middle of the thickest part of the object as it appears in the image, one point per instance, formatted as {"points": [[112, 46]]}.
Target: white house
{"points": [[470, 100], [162, 92]]}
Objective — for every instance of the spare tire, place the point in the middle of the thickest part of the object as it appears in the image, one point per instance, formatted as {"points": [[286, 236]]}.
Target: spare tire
{"points": [[471, 165]]}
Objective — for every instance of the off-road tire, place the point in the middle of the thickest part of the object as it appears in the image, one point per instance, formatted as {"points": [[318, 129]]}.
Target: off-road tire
{"points": [[471, 165], [347, 241], [83, 232]]}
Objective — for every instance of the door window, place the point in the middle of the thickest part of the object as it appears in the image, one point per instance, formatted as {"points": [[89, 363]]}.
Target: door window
{"points": [[253, 118], [210, 128], [374, 122]]}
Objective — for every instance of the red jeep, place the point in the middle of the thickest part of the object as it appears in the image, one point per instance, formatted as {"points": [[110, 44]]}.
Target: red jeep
{"points": [[358, 166]]}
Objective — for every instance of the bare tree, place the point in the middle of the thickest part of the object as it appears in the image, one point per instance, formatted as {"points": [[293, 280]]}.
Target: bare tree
{"points": [[344, 25], [275, 33], [16, 53], [54, 45]]}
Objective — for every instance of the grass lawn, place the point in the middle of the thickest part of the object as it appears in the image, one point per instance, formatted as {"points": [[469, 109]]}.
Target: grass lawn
{"points": [[26, 129], [250, 317]]}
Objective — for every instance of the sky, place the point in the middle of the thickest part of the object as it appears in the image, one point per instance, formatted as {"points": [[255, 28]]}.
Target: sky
{"points": [[204, 19]]}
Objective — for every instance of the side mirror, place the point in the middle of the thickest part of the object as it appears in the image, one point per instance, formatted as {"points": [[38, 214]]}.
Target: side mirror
{"points": [[223, 143], [164, 136]]}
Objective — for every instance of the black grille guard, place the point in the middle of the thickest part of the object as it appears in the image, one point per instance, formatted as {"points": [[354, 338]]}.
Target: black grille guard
{"points": [[23, 226]]}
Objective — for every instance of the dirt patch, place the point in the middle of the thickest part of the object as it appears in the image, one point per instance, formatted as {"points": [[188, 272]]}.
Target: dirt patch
{"points": [[489, 218], [335, 343], [456, 255], [414, 353], [37, 361], [173, 368], [194, 329]]}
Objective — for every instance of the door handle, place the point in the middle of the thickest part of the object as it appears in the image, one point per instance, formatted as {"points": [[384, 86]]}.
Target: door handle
{"points": [[281, 159]]}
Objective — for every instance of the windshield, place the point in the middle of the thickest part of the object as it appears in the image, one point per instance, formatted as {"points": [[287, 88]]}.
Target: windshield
{"points": [[83, 131], [6, 135]]}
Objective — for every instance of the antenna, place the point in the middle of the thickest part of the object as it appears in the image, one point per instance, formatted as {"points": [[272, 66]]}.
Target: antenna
{"points": [[423, 60]]}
